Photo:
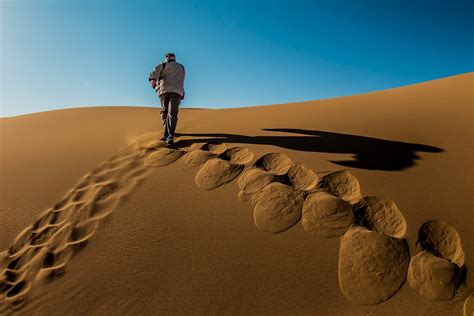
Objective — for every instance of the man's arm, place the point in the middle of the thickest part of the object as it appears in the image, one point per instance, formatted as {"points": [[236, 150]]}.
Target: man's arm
{"points": [[155, 75], [184, 75]]}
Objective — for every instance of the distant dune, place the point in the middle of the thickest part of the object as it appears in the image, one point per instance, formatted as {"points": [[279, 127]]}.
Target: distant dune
{"points": [[359, 205]]}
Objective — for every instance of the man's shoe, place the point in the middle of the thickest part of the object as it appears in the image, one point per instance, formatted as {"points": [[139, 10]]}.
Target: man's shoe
{"points": [[163, 139], [170, 141]]}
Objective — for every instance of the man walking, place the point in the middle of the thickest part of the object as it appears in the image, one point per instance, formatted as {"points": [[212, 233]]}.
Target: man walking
{"points": [[168, 80]]}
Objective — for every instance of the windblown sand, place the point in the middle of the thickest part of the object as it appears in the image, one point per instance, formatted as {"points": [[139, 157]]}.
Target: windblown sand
{"points": [[347, 206]]}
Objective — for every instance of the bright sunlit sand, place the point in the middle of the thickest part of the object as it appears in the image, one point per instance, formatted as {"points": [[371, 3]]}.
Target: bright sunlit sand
{"points": [[355, 205]]}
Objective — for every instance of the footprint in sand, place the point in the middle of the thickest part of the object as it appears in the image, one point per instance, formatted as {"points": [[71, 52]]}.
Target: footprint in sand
{"points": [[374, 255], [42, 250], [437, 270], [219, 168]]}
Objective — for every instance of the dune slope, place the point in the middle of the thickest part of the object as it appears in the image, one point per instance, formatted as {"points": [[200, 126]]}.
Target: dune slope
{"points": [[96, 216]]}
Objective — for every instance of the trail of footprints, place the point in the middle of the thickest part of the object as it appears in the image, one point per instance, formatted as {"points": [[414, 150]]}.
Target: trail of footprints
{"points": [[374, 258], [41, 251]]}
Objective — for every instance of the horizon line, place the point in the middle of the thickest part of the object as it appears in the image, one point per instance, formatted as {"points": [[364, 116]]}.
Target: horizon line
{"points": [[244, 106]]}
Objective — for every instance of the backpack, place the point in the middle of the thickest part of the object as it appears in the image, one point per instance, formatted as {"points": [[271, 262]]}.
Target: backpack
{"points": [[160, 77]]}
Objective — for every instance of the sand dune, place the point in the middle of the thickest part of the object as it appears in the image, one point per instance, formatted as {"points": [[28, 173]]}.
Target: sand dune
{"points": [[321, 207]]}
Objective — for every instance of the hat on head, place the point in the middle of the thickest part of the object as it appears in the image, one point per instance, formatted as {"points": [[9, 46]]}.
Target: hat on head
{"points": [[170, 57]]}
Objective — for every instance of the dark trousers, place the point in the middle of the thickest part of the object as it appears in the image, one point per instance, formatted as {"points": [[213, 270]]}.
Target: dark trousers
{"points": [[169, 112]]}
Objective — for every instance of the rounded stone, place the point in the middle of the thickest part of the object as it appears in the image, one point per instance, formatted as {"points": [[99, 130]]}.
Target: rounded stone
{"points": [[372, 266], [443, 240], [432, 277], [302, 177], [278, 207], [197, 158], [216, 172], [274, 162], [381, 215], [162, 157], [240, 155], [215, 148], [342, 184], [253, 180], [326, 215]]}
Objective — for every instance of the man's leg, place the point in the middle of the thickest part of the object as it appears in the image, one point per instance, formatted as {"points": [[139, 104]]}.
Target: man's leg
{"points": [[175, 100], [164, 102]]}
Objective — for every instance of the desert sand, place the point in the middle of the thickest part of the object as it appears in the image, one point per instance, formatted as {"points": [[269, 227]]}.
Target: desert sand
{"points": [[359, 205]]}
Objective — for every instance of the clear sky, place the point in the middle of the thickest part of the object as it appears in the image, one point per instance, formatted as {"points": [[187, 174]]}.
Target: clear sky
{"points": [[67, 53]]}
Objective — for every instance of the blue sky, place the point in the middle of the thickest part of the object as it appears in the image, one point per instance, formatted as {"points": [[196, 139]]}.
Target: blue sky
{"points": [[66, 53]]}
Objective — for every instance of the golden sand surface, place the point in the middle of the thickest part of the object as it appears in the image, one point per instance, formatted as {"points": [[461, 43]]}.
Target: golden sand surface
{"points": [[359, 205]]}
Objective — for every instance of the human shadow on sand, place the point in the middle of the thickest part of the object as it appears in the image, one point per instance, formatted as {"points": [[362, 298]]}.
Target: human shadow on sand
{"points": [[368, 152]]}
